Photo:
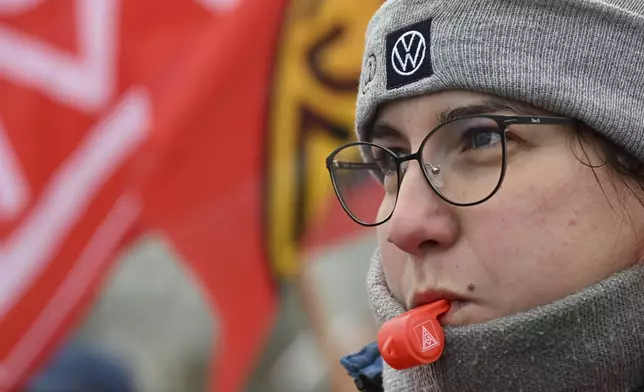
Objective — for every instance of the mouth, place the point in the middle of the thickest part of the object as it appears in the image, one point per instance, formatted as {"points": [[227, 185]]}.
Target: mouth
{"points": [[427, 297]]}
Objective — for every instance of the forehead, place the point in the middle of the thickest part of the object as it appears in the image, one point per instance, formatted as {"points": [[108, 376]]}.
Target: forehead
{"points": [[435, 101], [430, 110]]}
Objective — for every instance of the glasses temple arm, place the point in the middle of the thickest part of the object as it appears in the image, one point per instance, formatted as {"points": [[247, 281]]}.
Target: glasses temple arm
{"points": [[355, 165], [542, 120]]}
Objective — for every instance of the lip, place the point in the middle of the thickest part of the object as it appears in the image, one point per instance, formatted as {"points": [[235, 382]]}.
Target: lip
{"points": [[429, 296]]}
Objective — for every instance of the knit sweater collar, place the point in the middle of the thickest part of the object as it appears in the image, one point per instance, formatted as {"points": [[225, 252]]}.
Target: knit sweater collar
{"points": [[589, 341]]}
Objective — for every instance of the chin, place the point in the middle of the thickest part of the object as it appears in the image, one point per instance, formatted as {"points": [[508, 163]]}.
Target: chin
{"points": [[465, 313]]}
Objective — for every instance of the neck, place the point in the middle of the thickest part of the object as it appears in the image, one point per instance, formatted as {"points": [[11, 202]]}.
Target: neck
{"points": [[589, 341]]}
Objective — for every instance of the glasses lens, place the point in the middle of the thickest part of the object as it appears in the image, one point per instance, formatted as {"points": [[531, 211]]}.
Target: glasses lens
{"points": [[463, 159], [367, 190]]}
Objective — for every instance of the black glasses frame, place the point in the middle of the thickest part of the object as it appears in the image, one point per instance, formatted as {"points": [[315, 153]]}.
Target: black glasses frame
{"points": [[502, 121]]}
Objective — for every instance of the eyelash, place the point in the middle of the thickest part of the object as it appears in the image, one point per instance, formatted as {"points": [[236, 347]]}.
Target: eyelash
{"points": [[510, 137], [399, 151]]}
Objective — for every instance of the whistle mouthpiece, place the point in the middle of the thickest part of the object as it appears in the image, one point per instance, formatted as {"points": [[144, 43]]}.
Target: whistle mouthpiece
{"points": [[413, 338]]}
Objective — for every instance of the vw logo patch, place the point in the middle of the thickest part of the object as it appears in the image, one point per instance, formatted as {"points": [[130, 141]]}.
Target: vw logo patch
{"points": [[409, 55]]}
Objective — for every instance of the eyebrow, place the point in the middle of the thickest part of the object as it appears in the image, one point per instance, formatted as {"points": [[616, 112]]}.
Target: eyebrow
{"points": [[383, 130], [493, 105]]}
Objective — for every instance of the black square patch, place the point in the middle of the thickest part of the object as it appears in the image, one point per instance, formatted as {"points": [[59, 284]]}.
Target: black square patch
{"points": [[409, 54]]}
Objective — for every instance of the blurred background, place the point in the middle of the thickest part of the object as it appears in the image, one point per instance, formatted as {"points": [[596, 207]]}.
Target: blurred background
{"points": [[168, 223]]}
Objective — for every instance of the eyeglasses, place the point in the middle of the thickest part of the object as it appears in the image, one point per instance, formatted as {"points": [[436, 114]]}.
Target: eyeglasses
{"points": [[464, 161]]}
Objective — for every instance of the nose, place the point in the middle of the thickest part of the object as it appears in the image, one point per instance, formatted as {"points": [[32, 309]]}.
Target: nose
{"points": [[421, 219]]}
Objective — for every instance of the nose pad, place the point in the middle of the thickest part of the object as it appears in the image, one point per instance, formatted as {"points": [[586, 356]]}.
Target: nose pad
{"points": [[434, 174]]}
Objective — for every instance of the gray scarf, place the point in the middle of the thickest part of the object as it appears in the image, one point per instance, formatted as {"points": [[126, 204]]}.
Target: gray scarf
{"points": [[590, 341]]}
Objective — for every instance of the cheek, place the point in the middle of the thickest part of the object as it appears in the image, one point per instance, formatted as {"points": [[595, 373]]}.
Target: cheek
{"points": [[394, 264], [544, 241]]}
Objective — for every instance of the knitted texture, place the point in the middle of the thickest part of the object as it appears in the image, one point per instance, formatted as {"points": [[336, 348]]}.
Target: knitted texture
{"points": [[589, 341], [578, 58]]}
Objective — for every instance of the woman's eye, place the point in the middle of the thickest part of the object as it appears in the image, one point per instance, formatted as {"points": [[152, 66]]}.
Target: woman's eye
{"points": [[481, 138], [386, 162]]}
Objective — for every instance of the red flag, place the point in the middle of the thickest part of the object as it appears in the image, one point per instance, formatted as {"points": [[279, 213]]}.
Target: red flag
{"points": [[119, 115], [208, 201]]}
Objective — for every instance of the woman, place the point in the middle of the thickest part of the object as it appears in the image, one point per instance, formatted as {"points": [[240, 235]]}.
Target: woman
{"points": [[507, 139]]}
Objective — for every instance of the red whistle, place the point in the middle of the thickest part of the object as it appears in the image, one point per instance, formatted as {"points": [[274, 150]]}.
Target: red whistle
{"points": [[413, 338]]}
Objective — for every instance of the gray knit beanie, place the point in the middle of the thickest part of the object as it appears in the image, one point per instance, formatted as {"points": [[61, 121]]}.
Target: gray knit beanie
{"points": [[578, 58]]}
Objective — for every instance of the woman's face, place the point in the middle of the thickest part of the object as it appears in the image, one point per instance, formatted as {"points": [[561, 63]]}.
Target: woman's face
{"points": [[548, 232]]}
